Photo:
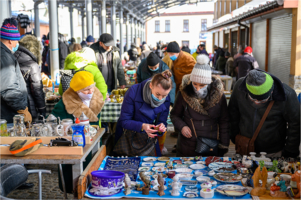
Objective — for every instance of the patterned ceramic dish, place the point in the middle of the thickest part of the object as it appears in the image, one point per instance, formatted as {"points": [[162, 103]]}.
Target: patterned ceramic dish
{"points": [[221, 167], [198, 172], [183, 170], [188, 162], [187, 158], [147, 164], [197, 166], [232, 190], [227, 177], [156, 187], [143, 169], [163, 159], [177, 166], [190, 194], [148, 173], [107, 180], [156, 176], [202, 179], [185, 176], [188, 182], [201, 162], [159, 169], [191, 188], [150, 159], [160, 164]]}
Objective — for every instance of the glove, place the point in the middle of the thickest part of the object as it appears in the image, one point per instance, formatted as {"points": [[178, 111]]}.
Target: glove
{"points": [[287, 154], [27, 115], [222, 150]]}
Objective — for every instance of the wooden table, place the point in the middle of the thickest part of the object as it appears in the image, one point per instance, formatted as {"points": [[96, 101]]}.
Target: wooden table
{"points": [[75, 160]]}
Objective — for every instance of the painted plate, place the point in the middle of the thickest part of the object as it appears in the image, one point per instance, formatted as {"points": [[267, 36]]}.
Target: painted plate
{"points": [[191, 188], [156, 187], [177, 166], [159, 169], [188, 162], [232, 190], [183, 170], [187, 158], [147, 164], [197, 166], [148, 173], [227, 177], [156, 176], [185, 176], [149, 159], [201, 162], [204, 172], [190, 194], [221, 167], [163, 159], [188, 182], [160, 164], [143, 169]]}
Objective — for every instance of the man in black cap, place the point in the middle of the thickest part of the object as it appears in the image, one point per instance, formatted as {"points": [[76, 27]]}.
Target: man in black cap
{"points": [[153, 65], [109, 62], [133, 52]]}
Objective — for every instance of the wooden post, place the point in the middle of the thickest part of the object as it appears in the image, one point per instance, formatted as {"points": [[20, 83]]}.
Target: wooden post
{"points": [[230, 41], [250, 34], [267, 45], [223, 32], [218, 39], [238, 37], [213, 42]]}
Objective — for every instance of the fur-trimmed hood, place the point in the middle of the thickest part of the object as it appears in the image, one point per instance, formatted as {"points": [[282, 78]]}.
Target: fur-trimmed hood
{"points": [[216, 91], [76, 107], [76, 61], [33, 45]]}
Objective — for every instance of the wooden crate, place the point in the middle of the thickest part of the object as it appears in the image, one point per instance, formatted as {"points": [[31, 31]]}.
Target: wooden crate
{"points": [[46, 140], [4, 150]]}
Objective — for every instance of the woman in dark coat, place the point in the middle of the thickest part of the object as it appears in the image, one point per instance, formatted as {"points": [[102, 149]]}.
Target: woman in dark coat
{"points": [[29, 58], [201, 98], [142, 104]]}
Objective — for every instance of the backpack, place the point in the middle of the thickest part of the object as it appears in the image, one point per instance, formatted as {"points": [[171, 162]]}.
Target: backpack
{"points": [[66, 76]]}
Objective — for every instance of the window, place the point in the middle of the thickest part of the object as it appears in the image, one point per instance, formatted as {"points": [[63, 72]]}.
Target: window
{"points": [[186, 25], [204, 25], [157, 26], [185, 43], [167, 25]]}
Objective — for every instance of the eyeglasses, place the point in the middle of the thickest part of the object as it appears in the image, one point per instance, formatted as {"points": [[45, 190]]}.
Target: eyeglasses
{"points": [[259, 101]]}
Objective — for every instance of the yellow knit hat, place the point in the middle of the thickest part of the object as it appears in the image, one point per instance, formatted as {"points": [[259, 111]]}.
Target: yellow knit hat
{"points": [[81, 80]]}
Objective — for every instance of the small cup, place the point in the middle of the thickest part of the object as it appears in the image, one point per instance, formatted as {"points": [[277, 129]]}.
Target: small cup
{"points": [[171, 174]]}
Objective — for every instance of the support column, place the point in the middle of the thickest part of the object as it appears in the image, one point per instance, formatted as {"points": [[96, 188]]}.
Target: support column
{"points": [[99, 21], [135, 31], [71, 22], [132, 31], [121, 31], [4, 10], [83, 25], [113, 21], [53, 36], [103, 17], [92, 26], [9, 8], [89, 16], [267, 41], [128, 31], [37, 20]]}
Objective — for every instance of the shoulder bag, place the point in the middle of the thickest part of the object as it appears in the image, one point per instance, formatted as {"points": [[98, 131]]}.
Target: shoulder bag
{"points": [[245, 145]]}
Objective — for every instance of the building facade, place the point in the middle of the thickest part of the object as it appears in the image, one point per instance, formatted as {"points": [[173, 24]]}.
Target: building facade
{"points": [[269, 27], [187, 25]]}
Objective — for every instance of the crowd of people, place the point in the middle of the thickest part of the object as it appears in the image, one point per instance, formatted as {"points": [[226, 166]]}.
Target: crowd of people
{"points": [[168, 77]]}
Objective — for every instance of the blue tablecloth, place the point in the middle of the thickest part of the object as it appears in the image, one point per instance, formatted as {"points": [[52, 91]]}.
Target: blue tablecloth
{"points": [[153, 194]]}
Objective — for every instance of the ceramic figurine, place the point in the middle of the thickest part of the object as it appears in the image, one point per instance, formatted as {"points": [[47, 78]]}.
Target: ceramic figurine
{"points": [[261, 173], [282, 185], [296, 166], [274, 168], [275, 192], [296, 177], [161, 185], [176, 186], [127, 188], [146, 181], [247, 163], [270, 182], [288, 168]]}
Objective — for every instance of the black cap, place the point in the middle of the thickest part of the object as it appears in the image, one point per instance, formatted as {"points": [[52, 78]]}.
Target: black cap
{"points": [[152, 59], [173, 47], [107, 39]]}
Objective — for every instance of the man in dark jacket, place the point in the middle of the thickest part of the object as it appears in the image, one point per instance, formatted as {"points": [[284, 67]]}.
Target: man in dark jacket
{"points": [[12, 86], [216, 55], [63, 50], [133, 52], [29, 58], [245, 63], [153, 65], [108, 61], [280, 133]]}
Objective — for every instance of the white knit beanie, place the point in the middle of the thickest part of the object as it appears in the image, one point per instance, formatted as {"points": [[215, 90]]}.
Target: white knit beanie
{"points": [[201, 72]]}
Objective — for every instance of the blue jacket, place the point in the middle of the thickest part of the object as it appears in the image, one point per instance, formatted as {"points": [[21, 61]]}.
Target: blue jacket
{"points": [[144, 73], [135, 112]]}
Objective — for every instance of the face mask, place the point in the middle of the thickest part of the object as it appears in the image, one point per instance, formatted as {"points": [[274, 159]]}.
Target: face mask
{"points": [[15, 48], [173, 58], [201, 93], [156, 99], [154, 70], [85, 97]]}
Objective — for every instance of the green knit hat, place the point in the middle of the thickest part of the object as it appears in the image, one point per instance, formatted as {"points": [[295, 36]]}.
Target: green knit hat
{"points": [[259, 84]]}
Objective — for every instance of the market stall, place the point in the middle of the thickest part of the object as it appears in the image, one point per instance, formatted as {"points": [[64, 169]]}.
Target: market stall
{"points": [[177, 178]]}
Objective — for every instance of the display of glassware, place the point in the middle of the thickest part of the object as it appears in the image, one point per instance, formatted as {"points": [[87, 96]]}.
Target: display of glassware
{"points": [[3, 128], [36, 130], [46, 128], [19, 126]]}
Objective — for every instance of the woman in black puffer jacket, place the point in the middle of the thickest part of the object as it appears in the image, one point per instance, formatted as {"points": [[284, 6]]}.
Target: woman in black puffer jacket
{"points": [[29, 58]]}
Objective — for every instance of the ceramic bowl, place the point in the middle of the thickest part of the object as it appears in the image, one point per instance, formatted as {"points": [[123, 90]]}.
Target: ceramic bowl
{"points": [[185, 176], [286, 177], [271, 174], [197, 166], [190, 194], [157, 187], [197, 173], [204, 172], [206, 185], [207, 193], [147, 164], [202, 179], [143, 169], [106, 179], [211, 173]]}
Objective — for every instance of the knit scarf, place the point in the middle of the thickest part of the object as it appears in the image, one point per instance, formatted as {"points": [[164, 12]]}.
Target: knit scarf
{"points": [[147, 96]]}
